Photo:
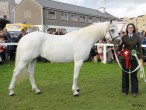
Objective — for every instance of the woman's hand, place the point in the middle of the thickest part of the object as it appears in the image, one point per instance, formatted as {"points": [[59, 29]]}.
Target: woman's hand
{"points": [[141, 62]]}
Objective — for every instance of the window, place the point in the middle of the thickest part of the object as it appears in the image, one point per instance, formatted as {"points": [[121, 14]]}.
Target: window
{"points": [[90, 20], [64, 16], [74, 17], [51, 15], [98, 20], [82, 19]]}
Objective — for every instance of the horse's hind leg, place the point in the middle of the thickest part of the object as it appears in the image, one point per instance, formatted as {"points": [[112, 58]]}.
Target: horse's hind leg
{"points": [[31, 76], [77, 67], [16, 71]]}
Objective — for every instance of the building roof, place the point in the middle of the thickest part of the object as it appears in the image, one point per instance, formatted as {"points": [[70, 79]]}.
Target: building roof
{"points": [[140, 15], [72, 8], [109, 15], [12, 1], [4, 0]]}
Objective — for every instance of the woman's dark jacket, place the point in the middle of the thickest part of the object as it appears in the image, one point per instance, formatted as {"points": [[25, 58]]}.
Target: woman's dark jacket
{"points": [[133, 43]]}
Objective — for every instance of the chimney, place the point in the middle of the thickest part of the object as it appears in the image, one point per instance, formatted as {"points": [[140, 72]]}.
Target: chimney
{"points": [[102, 9]]}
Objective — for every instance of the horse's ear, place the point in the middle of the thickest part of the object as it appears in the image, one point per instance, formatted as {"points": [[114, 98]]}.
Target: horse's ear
{"points": [[111, 21]]}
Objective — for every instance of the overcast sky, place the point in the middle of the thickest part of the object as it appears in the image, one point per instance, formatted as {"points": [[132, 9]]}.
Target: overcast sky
{"points": [[118, 8]]}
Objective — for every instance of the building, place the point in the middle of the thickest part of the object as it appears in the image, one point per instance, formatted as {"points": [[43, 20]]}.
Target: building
{"points": [[140, 22], [53, 14], [6, 9]]}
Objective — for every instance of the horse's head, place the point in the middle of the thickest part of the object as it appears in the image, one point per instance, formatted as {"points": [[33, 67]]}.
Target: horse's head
{"points": [[112, 32]]}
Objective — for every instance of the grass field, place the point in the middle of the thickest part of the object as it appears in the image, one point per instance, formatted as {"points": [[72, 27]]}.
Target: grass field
{"points": [[100, 89]]}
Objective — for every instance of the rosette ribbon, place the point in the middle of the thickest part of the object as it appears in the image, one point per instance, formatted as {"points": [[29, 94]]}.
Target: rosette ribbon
{"points": [[142, 73], [126, 53]]}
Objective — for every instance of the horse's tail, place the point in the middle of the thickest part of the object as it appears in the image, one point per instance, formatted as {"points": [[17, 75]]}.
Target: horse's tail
{"points": [[22, 75]]}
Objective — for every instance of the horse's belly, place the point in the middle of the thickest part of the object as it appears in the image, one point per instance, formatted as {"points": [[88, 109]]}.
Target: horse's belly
{"points": [[58, 56], [65, 53]]}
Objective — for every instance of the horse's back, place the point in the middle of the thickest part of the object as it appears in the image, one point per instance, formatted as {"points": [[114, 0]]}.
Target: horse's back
{"points": [[52, 47], [56, 48]]}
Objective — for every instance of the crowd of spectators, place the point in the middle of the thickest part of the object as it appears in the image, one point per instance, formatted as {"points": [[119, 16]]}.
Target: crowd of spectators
{"points": [[58, 31], [8, 52]]}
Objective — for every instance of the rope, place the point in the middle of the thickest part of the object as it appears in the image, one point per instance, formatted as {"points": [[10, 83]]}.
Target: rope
{"points": [[142, 73]]}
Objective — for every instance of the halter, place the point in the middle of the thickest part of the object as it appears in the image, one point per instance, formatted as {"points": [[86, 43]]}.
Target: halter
{"points": [[110, 34], [142, 73]]}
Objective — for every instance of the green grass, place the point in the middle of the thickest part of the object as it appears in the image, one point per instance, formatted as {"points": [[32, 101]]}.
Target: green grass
{"points": [[100, 89]]}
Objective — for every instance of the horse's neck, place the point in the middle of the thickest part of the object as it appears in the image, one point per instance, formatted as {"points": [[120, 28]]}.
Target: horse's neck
{"points": [[95, 32], [101, 29]]}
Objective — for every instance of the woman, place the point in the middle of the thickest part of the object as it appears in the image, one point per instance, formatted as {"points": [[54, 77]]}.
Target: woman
{"points": [[130, 42]]}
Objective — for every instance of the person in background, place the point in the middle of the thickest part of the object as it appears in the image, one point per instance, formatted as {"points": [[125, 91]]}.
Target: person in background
{"points": [[49, 31], [143, 37], [2, 48], [138, 32], [23, 33], [100, 50], [7, 37], [93, 54], [1, 54], [12, 48], [104, 39], [143, 42], [59, 32], [130, 42], [6, 34], [26, 30], [110, 52]]}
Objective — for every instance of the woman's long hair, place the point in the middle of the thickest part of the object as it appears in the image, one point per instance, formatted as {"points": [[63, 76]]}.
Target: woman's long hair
{"points": [[134, 31]]}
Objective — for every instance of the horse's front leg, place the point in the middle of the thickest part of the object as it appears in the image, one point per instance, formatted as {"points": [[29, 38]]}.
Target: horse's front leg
{"points": [[77, 67]]}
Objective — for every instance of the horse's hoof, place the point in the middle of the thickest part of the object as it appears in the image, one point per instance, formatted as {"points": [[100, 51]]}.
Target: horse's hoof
{"points": [[38, 93], [76, 95], [11, 94]]}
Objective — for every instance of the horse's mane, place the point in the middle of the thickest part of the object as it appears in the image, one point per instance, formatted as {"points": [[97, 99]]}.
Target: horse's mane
{"points": [[92, 28]]}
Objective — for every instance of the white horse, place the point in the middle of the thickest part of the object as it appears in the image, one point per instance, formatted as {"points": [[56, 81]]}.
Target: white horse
{"points": [[74, 46]]}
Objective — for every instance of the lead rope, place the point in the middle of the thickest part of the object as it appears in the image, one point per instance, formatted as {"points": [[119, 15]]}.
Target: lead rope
{"points": [[142, 73]]}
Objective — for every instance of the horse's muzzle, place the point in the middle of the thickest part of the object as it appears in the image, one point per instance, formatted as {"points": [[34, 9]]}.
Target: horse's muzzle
{"points": [[116, 40]]}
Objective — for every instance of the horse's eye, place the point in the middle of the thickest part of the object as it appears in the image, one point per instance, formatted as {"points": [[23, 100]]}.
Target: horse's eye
{"points": [[112, 30]]}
